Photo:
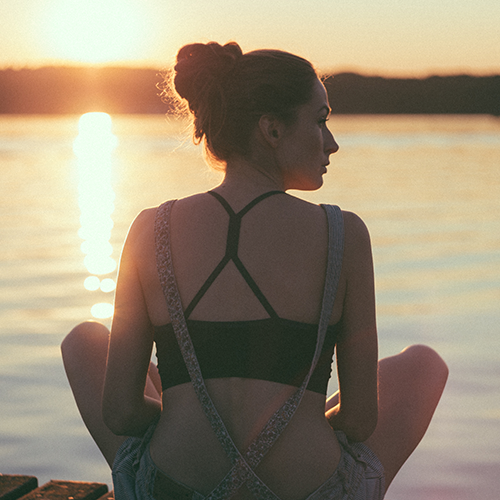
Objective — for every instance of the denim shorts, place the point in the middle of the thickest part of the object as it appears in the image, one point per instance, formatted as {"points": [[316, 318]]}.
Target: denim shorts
{"points": [[359, 475]]}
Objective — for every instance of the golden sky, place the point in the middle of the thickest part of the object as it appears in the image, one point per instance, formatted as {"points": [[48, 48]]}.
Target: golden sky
{"points": [[388, 37]]}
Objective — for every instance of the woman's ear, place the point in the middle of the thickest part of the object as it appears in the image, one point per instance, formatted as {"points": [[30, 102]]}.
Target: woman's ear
{"points": [[271, 129]]}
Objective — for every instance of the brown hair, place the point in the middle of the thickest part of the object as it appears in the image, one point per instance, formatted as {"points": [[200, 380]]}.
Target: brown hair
{"points": [[228, 91]]}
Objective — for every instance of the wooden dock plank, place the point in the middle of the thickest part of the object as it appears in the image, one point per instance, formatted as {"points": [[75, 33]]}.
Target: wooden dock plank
{"points": [[110, 495], [14, 486], [17, 487], [67, 490]]}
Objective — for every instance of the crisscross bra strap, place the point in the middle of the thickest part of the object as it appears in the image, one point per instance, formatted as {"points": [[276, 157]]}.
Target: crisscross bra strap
{"points": [[243, 464], [233, 236]]}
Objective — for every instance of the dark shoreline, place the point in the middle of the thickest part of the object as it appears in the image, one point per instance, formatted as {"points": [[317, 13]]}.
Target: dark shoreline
{"points": [[115, 90]]}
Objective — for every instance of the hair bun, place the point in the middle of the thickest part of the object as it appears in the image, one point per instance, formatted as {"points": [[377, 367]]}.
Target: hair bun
{"points": [[199, 66]]}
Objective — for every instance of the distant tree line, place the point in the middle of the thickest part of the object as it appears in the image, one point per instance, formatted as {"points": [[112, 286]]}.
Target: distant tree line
{"points": [[462, 94], [68, 90], [78, 90]]}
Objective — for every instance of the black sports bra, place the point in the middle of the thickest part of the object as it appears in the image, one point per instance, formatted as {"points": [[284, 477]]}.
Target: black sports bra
{"points": [[273, 349]]}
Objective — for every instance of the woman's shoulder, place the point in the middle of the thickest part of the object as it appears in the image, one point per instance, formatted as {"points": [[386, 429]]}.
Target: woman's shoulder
{"points": [[357, 243], [144, 222], [145, 219], [301, 207], [354, 225]]}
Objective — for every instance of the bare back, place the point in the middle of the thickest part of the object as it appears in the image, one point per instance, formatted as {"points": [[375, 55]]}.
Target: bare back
{"points": [[283, 245]]}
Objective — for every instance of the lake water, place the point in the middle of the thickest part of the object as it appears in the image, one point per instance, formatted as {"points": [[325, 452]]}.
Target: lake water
{"points": [[427, 187]]}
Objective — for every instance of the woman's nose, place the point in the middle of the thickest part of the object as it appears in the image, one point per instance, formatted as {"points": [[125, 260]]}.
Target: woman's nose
{"points": [[332, 146]]}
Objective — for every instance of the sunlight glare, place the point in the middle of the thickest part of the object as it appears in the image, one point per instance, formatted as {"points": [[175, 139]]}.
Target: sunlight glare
{"points": [[96, 246], [95, 31], [99, 264], [94, 147], [103, 310], [107, 285], [92, 283]]}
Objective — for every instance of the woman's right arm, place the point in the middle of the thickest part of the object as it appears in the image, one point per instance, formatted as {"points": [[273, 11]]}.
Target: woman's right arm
{"points": [[127, 410], [355, 411]]}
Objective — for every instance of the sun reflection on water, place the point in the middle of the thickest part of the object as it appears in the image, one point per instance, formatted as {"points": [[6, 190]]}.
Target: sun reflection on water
{"points": [[94, 148]]}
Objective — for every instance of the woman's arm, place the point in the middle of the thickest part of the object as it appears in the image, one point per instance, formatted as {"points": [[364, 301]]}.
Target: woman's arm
{"points": [[354, 409], [126, 408]]}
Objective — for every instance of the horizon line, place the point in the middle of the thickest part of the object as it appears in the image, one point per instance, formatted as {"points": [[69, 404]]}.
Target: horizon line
{"points": [[322, 72]]}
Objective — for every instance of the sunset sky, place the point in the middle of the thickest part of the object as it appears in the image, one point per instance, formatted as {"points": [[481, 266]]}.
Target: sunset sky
{"points": [[387, 37]]}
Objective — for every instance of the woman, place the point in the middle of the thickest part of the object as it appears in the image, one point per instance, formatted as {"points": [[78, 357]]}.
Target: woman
{"points": [[247, 291]]}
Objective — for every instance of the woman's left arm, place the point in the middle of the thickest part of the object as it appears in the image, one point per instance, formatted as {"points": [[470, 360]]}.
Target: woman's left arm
{"points": [[126, 409]]}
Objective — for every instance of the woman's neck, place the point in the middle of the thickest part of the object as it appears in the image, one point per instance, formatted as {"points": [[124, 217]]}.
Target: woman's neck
{"points": [[243, 176]]}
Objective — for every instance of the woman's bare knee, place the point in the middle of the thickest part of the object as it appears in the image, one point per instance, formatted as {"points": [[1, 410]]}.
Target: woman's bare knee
{"points": [[424, 363], [413, 382], [83, 335], [84, 352], [410, 386]]}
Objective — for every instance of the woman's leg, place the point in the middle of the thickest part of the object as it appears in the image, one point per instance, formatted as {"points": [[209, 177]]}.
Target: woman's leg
{"points": [[410, 386], [84, 352]]}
